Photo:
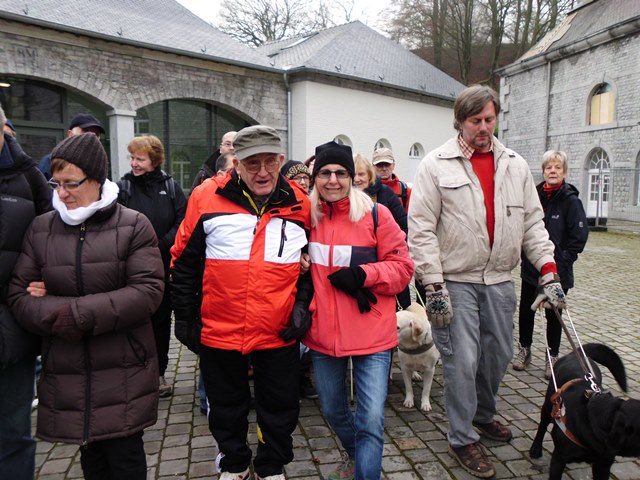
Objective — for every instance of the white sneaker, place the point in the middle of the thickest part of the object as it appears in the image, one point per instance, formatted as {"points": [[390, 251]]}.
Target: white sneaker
{"points": [[280, 476], [236, 476]]}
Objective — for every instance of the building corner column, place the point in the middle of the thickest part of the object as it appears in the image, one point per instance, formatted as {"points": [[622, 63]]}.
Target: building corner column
{"points": [[121, 131]]}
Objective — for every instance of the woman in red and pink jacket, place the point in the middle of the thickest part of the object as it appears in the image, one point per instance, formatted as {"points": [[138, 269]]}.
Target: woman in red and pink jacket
{"points": [[359, 262]]}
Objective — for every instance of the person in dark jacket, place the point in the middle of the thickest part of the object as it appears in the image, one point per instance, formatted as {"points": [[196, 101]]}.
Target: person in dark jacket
{"points": [[566, 222], [367, 180], [24, 193], [87, 282], [151, 191], [209, 168]]}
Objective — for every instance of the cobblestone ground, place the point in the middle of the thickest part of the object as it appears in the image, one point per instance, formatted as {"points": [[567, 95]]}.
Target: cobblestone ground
{"points": [[604, 307]]}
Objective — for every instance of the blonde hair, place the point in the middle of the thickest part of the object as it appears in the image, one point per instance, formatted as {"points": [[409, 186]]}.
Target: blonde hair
{"points": [[555, 156], [361, 160], [359, 205]]}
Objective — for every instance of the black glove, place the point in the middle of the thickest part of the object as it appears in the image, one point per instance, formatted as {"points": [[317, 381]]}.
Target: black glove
{"points": [[350, 281], [299, 323], [188, 327]]}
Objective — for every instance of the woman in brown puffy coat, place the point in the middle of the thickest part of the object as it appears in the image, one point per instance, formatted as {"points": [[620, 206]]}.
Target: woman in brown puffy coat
{"points": [[87, 281]]}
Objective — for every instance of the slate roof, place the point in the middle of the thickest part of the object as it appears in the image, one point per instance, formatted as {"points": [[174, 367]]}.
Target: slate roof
{"points": [[589, 19], [354, 50], [163, 24]]}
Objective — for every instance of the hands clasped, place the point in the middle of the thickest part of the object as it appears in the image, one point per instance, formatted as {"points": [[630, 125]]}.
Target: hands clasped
{"points": [[351, 281]]}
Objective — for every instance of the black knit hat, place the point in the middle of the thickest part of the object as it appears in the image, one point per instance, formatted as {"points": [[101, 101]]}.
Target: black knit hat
{"points": [[86, 152], [332, 152]]}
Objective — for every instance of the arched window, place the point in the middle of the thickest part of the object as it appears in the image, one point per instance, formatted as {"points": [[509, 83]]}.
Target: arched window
{"points": [[416, 151], [602, 105], [141, 122], [382, 143], [599, 174], [343, 140]]}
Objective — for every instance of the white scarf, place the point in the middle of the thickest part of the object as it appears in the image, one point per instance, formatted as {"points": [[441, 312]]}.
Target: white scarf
{"points": [[79, 215]]}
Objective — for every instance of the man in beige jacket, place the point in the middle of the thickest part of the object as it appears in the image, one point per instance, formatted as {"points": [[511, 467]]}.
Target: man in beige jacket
{"points": [[474, 209]]}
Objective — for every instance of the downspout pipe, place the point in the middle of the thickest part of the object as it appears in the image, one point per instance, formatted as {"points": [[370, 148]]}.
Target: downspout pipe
{"points": [[289, 135]]}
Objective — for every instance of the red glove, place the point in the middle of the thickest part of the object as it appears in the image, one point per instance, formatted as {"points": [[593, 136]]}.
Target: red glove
{"points": [[65, 325]]}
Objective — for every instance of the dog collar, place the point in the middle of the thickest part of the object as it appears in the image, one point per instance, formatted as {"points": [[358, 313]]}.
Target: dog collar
{"points": [[417, 350]]}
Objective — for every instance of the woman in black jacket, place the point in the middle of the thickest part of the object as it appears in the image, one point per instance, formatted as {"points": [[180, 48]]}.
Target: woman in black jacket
{"points": [[566, 222], [367, 180], [151, 191]]}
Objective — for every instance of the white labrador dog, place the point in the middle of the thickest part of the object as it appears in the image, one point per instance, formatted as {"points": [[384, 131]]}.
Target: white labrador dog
{"points": [[417, 353]]}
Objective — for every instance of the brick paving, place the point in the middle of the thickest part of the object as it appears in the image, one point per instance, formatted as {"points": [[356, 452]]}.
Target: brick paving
{"points": [[604, 306]]}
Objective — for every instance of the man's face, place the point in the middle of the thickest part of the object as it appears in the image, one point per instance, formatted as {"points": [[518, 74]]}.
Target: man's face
{"points": [[385, 170], [477, 130], [226, 145], [260, 172]]}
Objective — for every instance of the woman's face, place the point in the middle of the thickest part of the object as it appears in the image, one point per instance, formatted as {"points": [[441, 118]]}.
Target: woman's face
{"points": [[361, 180], [333, 182], [140, 163], [80, 190], [553, 173]]}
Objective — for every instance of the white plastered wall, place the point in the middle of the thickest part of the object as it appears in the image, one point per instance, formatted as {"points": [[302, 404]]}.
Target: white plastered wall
{"points": [[322, 112]]}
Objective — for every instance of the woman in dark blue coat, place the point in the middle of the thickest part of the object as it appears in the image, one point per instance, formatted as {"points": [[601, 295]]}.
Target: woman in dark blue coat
{"points": [[566, 222]]}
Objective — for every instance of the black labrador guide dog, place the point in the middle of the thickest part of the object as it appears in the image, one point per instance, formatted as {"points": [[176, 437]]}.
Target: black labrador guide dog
{"points": [[589, 425]]}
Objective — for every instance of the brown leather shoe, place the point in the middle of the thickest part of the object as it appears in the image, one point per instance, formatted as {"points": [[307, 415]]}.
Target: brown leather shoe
{"points": [[494, 430], [473, 459]]}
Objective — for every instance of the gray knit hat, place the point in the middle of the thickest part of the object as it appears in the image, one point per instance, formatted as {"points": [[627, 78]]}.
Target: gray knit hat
{"points": [[86, 152]]}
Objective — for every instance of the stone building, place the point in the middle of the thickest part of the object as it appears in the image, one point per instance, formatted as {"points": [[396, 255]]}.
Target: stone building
{"points": [[578, 90], [151, 66]]}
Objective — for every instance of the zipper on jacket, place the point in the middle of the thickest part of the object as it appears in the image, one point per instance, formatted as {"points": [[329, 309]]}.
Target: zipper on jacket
{"points": [[79, 282], [255, 227], [87, 394], [283, 237]]}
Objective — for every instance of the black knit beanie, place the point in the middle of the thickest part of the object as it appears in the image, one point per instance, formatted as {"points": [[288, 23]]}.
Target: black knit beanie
{"points": [[332, 152], [86, 152]]}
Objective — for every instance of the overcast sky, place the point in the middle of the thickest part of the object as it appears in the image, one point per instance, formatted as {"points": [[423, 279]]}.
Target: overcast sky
{"points": [[366, 11]]}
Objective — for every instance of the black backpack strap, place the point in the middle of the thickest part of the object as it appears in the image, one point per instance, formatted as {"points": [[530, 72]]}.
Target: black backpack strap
{"points": [[169, 185], [403, 193], [125, 192], [374, 215]]}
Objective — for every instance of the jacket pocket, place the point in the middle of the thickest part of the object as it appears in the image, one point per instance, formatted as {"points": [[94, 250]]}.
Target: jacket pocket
{"points": [[442, 339], [138, 350]]}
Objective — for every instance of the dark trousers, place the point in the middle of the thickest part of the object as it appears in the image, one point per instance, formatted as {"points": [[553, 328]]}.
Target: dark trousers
{"points": [[276, 376], [115, 459], [161, 321], [526, 318]]}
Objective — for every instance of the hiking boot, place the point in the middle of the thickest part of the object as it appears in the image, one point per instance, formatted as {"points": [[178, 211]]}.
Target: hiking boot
{"points": [[345, 471], [548, 366], [307, 390], [523, 359], [244, 475], [494, 430], [165, 390], [473, 459]]}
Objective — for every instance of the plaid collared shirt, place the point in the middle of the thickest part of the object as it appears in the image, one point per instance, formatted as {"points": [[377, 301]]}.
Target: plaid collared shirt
{"points": [[468, 150]]}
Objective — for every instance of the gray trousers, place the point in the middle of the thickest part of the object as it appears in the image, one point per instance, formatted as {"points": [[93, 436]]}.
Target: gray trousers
{"points": [[476, 349]]}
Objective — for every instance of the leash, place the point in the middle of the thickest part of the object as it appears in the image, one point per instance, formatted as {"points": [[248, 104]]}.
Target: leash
{"points": [[583, 360]]}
